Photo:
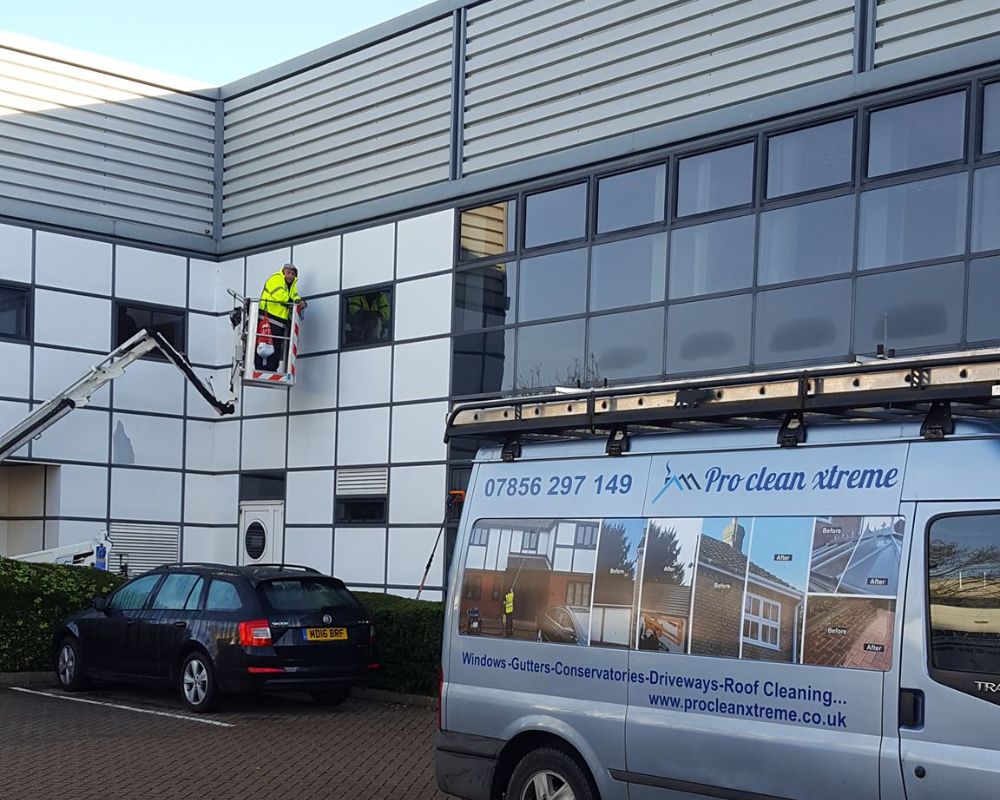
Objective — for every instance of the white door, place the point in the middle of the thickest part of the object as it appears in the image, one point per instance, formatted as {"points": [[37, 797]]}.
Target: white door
{"points": [[262, 532]]}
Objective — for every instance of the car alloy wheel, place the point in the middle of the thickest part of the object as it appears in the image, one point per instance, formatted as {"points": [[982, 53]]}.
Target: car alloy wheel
{"points": [[196, 680], [547, 785], [67, 664]]}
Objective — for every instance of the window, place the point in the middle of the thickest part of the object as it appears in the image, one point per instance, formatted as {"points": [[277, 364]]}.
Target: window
{"points": [[559, 215], [578, 593], [135, 594], [487, 230], [984, 300], [550, 355], [986, 210], [624, 346], [529, 541], [991, 118], [480, 536], [483, 363], [628, 272], [15, 312], [262, 486], [709, 334], [553, 285], [806, 241], [366, 317], [484, 297], [631, 198], [586, 534], [169, 323], [803, 322], [223, 596], [761, 622], [307, 594], [917, 135], [175, 592], [964, 590], [714, 257], [195, 597], [360, 510], [811, 158], [472, 587], [716, 180]]}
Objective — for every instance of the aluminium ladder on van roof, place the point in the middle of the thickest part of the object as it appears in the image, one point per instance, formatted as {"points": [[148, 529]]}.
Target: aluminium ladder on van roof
{"points": [[939, 388]]}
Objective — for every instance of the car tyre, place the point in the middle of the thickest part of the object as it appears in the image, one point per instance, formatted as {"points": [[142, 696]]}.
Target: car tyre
{"points": [[70, 669], [331, 697], [549, 774], [197, 683]]}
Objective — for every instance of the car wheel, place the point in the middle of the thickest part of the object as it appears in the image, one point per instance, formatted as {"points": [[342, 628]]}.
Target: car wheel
{"points": [[70, 669], [549, 774], [198, 683], [332, 697]]}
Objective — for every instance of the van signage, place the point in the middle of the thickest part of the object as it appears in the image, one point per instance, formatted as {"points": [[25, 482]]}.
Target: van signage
{"points": [[987, 686]]}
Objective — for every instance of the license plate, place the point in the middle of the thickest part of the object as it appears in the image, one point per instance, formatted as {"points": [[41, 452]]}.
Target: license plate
{"points": [[324, 634]]}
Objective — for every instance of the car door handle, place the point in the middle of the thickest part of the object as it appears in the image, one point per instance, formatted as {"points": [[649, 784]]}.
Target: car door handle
{"points": [[130, 622], [911, 708], [180, 624]]}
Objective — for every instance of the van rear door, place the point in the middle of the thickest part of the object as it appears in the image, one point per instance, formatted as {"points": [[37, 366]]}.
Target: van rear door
{"points": [[949, 709]]}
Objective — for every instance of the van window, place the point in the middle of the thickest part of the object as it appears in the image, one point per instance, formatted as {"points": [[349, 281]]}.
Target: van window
{"points": [[964, 593]]}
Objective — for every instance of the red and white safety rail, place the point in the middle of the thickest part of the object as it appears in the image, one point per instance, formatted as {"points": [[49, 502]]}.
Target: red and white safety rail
{"points": [[248, 332]]}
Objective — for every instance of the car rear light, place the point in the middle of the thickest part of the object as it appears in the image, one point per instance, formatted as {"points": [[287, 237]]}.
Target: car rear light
{"points": [[256, 633], [372, 664], [264, 670]]}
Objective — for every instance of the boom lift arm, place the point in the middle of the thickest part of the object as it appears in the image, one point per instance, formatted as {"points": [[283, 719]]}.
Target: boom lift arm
{"points": [[113, 366]]}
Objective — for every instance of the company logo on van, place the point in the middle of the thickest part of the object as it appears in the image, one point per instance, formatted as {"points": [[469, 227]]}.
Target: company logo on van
{"points": [[685, 482], [984, 686]]}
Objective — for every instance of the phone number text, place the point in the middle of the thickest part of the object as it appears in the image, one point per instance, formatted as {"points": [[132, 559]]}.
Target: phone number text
{"points": [[556, 485]]}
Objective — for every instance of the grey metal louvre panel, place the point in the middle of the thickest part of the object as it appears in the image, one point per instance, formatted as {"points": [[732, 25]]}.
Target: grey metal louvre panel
{"points": [[369, 124], [543, 77], [147, 546], [362, 481], [77, 140], [907, 28]]}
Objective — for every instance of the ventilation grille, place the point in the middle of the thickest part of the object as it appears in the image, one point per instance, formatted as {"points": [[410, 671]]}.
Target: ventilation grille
{"points": [[146, 546], [358, 482]]}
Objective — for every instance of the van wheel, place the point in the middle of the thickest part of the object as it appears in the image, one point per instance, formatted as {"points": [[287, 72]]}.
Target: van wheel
{"points": [[198, 683], [70, 669], [549, 774]]}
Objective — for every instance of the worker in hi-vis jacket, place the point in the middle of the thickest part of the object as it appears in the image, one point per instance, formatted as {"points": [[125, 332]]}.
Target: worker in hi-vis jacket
{"points": [[281, 292]]}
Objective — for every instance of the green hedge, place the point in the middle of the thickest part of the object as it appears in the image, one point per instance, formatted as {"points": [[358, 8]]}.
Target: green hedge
{"points": [[36, 597], [409, 642]]}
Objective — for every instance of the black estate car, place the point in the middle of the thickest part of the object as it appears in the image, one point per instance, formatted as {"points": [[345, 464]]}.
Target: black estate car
{"points": [[211, 628]]}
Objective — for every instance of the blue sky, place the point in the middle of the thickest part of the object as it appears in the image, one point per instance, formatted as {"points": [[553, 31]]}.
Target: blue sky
{"points": [[185, 37]]}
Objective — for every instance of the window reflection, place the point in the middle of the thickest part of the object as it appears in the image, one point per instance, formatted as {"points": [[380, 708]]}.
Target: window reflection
{"points": [[483, 363], [631, 198], [553, 285], [991, 118], [803, 322], [810, 158], [984, 300], [628, 272], [484, 297], [709, 335], [917, 134], [986, 210], [626, 345], [488, 230], [716, 180], [551, 355], [714, 257], [806, 241], [559, 215], [14, 312]]}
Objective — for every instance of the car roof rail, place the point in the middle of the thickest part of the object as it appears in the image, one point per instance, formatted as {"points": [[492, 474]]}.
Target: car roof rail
{"points": [[285, 566], [207, 564]]}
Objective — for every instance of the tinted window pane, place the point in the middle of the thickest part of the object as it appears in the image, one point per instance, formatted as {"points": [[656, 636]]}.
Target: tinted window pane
{"points": [[488, 230], [550, 355], [810, 159], [484, 297], [715, 257], [13, 312], [632, 198], [917, 307], [984, 300], [628, 272], [721, 179], [626, 345], [556, 216], [553, 285], [709, 334], [135, 594], [912, 222], [986, 210], [257, 486], [991, 118], [307, 594], [803, 323], [223, 596], [367, 317], [195, 596], [483, 363], [917, 134], [806, 241], [132, 319], [360, 509], [174, 592], [964, 582]]}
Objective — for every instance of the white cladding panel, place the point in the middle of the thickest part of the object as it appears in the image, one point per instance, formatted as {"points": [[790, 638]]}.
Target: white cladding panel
{"points": [[907, 28], [541, 77], [368, 124]]}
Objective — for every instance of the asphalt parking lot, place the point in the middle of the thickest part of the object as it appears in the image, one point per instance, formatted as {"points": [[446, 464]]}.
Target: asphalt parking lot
{"points": [[127, 743]]}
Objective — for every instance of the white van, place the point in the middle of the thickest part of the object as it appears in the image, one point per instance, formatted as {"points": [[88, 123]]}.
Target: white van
{"points": [[712, 614]]}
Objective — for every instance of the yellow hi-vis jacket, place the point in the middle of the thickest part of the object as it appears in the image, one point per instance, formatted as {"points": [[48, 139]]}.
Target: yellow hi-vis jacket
{"points": [[508, 603], [276, 297]]}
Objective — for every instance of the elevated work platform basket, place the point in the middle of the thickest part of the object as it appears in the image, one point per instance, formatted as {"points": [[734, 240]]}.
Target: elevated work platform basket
{"points": [[264, 357]]}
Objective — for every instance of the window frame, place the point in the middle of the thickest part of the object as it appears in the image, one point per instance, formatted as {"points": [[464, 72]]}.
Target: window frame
{"points": [[673, 189], [154, 354], [594, 527], [514, 198], [521, 241], [761, 621], [29, 311], [345, 295], [630, 231], [795, 198]]}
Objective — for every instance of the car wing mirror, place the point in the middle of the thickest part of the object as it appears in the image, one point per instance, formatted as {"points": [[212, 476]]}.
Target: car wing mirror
{"points": [[100, 603]]}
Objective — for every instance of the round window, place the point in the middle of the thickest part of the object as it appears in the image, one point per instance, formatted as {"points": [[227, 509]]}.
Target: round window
{"points": [[255, 540]]}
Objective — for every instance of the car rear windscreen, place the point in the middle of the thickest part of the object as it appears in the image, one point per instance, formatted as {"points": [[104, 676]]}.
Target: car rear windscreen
{"points": [[307, 594]]}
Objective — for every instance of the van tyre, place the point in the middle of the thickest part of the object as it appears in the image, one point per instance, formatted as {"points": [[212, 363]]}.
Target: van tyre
{"points": [[549, 774], [70, 669], [331, 697], [197, 684]]}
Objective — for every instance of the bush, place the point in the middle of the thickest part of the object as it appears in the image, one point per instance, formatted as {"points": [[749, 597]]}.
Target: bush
{"points": [[409, 642], [34, 598]]}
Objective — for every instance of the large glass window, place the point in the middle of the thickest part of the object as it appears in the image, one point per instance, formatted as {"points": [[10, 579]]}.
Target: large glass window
{"points": [[631, 198], [553, 285], [709, 335], [550, 355], [917, 134], [806, 241], [628, 272], [716, 180], [360, 510], [559, 215], [964, 587], [366, 317], [803, 323], [909, 309], [14, 312], [913, 222], [488, 230], [991, 118], [986, 210], [484, 297], [134, 595], [167, 322], [984, 299], [811, 158], [483, 363], [714, 257], [626, 345]]}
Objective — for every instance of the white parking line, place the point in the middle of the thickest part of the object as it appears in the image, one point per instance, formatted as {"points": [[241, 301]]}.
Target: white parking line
{"points": [[125, 708]]}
